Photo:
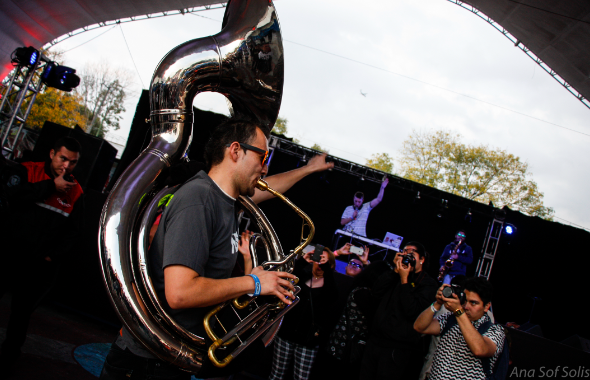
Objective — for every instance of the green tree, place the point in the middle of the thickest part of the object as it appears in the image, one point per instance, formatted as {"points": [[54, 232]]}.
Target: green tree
{"points": [[103, 91], [56, 106], [319, 148], [381, 161], [280, 127], [439, 159]]}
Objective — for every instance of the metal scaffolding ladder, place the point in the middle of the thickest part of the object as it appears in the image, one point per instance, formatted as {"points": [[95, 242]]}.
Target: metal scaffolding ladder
{"points": [[25, 83], [490, 246]]}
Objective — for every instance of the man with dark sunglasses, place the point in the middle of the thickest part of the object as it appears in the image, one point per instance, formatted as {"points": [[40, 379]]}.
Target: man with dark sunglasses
{"points": [[459, 254], [196, 246]]}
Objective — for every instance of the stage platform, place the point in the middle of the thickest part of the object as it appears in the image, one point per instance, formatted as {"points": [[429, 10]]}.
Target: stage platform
{"points": [[60, 344], [64, 344]]}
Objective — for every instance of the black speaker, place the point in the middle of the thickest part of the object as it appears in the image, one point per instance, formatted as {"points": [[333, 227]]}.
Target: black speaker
{"points": [[532, 328], [539, 357], [578, 342], [96, 159]]}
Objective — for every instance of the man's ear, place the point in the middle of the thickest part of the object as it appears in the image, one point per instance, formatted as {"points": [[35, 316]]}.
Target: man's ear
{"points": [[51, 154], [233, 151], [487, 307]]}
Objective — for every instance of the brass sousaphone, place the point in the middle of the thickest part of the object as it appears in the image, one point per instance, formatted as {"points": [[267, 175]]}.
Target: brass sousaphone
{"points": [[244, 62]]}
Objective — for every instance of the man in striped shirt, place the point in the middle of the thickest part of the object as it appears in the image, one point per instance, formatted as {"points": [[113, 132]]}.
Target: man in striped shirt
{"points": [[469, 343]]}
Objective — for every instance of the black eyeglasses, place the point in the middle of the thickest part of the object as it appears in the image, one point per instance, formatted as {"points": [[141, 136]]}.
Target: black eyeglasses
{"points": [[355, 264], [262, 152]]}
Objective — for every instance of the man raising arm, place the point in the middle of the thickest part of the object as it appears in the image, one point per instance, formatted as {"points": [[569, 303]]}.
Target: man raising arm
{"points": [[354, 218], [284, 181], [196, 245]]}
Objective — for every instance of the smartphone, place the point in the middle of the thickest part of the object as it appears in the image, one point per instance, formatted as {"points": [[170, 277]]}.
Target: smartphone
{"points": [[356, 250], [308, 249], [317, 254], [68, 177]]}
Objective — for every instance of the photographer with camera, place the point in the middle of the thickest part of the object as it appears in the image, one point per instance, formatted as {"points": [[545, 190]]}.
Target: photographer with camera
{"points": [[470, 344], [394, 350]]}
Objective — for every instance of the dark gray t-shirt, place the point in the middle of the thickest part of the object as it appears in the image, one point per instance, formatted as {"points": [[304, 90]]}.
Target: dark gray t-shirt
{"points": [[198, 229]]}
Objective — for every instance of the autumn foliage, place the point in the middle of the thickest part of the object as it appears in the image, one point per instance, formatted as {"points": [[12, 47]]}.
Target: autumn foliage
{"points": [[439, 159]]}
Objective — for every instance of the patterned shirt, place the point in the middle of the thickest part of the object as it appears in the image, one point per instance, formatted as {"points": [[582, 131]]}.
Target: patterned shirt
{"points": [[454, 360], [357, 226]]}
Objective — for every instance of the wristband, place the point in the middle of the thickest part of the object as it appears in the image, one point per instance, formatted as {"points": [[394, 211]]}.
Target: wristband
{"points": [[336, 253], [432, 308], [257, 286]]}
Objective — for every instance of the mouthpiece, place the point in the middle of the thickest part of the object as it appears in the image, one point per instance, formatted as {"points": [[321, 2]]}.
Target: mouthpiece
{"points": [[262, 185]]}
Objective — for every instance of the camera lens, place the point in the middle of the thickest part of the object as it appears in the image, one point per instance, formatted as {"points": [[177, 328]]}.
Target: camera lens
{"points": [[447, 292]]}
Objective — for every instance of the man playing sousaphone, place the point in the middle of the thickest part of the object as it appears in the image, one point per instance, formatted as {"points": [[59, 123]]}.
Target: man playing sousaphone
{"points": [[455, 258], [197, 242]]}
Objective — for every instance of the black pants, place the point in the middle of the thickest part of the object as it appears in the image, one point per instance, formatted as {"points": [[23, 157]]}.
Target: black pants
{"points": [[29, 283], [403, 363], [124, 365]]}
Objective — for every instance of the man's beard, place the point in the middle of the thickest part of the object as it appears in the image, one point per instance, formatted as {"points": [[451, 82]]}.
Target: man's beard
{"points": [[248, 189]]}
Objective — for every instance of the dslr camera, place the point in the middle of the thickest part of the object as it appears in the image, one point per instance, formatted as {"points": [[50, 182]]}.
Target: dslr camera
{"points": [[454, 289], [409, 260]]}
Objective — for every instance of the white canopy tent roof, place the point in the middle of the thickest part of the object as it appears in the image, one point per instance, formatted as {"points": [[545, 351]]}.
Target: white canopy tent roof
{"points": [[556, 32], [38, 22]]}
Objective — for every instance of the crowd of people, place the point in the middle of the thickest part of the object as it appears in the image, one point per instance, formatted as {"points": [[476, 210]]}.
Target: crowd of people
{"points": [[373, 322]]}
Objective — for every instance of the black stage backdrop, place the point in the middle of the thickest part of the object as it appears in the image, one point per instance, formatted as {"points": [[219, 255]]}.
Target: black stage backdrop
{"points": [[545, 259]]}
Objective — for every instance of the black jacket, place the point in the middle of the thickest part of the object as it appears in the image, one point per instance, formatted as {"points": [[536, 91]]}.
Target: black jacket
{"points": [[400, 305], [309, 322]]}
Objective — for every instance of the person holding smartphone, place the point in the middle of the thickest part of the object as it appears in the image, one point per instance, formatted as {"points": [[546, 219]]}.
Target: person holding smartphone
{"points": [[45, 219], [307, 325]]}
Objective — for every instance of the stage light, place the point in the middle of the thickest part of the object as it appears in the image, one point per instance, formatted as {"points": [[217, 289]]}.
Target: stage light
{"points": [[418, 195], [27, 56], [444, 205], [509, 229], [468, 216], [61, 77]]}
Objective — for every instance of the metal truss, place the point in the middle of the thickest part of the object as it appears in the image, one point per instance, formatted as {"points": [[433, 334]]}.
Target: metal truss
{"points": [[489, 248], [341, 165], [526, 50], [373, 175], [25, 83], [182, 11]]}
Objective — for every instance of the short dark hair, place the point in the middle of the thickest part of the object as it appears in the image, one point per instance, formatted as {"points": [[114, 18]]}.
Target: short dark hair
{"points": [[482, 287], [419, 248], [243, 131], [359, 195], [69, 143]]}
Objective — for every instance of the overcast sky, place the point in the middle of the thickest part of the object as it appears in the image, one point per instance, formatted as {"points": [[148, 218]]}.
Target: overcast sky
{"points": [[406, 51]]}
